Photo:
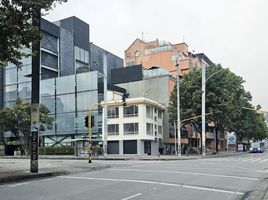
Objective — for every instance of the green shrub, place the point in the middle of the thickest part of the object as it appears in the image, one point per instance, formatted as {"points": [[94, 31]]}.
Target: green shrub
{"points": [[64, 150]]}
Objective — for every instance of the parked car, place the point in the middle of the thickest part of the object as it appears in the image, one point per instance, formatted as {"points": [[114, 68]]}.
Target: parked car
{"points": [[256, 147]]}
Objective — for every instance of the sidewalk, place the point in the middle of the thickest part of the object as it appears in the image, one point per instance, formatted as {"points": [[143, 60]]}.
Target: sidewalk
{"points": [[19, 169]]}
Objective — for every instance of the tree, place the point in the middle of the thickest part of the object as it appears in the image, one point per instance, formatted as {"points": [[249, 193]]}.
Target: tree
{"points": [[251, 125], [225, 97], [17, 120], [17, 31]]}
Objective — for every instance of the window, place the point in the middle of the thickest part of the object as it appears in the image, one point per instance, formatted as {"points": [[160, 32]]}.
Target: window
{"points": [[160, 130], [113, 129], [65, 84], [149, 129], [131, 111], [49, 42], [81, 54], [159, 114], [65, 103], [131, 128], [149, 112], [49, 60], [113, 112]]}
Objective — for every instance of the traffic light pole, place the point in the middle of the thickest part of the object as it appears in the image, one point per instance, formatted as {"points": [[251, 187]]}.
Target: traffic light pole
{"points": [[89, 124]]}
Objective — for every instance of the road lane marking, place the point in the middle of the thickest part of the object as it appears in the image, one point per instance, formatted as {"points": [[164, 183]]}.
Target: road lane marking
{"points": [[18, 184], [154, 183], [190, 173], [130, 197], [213, 190], [263, 160]]}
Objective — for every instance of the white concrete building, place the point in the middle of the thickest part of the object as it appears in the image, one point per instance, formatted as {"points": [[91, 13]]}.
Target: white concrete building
{"points": [[136, 128]]}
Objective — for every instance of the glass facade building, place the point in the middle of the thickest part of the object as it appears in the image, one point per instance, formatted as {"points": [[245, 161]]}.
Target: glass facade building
{"points": [[69, 82]]}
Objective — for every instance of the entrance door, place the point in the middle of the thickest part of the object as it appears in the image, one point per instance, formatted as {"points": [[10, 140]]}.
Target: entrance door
{"points": [[147, 147]]}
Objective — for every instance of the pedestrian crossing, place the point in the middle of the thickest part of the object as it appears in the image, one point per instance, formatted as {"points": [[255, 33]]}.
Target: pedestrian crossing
{"points": [[237, 159]]}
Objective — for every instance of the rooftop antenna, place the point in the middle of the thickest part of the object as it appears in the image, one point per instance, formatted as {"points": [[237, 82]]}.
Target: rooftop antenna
{"points": [[142, 35]]}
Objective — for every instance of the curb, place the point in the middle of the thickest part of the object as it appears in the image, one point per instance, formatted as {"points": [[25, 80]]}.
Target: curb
{"points": [[259, 193], [29, 176]]}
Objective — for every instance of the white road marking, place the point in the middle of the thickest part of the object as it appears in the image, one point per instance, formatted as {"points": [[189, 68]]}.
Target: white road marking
{"points": [[190, 173], [155, 183], [47, 179], [264, 160], [18, 184], [255, 160], [213, 190], [130, 197]]}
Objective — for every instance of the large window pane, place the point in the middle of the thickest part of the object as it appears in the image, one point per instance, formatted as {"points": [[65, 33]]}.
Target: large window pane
{"points": [[10, 93], [49, 60], [65, 123], [11, 76], [23, 71], [85, 100], [87, 81], [65, 103], [49, 102], [47, 87], [25, 90], [49, 42], [130, 111], [131, 128], [47, 73], [65, 84]]}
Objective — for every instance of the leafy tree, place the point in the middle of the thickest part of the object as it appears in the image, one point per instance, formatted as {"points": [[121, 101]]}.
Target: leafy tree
{"points": [[251, 125], [17, 31], [225, 97], [17, 120]]}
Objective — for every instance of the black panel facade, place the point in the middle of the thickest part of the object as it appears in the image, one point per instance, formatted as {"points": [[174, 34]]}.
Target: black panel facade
{"points": [[127, 74], [67, 66], [113, 147], [79, 29], [50, 28], [130, 146]]}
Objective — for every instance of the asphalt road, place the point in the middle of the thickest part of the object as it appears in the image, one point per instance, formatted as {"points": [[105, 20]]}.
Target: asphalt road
{"points": [[224, 178]]}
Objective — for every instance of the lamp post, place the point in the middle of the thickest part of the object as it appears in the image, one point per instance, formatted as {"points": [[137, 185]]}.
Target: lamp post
{"points": [[104, 110], [203, 109], [204, 80], [178, 105], [104, 113]]}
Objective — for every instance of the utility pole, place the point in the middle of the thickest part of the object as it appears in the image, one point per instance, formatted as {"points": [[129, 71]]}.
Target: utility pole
{"points": [[178, 105], [104, 113], [36, 20], [175, 143], [203, 109]]}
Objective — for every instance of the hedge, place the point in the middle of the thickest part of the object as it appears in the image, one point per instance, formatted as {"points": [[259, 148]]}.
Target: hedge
{"points": [[64, 150]]}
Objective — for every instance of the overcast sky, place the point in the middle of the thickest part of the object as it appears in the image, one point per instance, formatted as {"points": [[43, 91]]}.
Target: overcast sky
{"points": [[233, 33]]}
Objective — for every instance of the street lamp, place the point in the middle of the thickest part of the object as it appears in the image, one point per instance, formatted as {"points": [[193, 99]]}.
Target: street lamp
{"points": [[178, 105], [204, 80], [104, 111]]}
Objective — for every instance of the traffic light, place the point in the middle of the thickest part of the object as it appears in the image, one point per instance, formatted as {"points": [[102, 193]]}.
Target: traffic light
{"points": [[125, 95], [92, 121], [86, 121]]}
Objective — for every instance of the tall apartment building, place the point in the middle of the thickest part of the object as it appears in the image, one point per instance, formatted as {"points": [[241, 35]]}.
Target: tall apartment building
{"points": [[164, 55], [68, 83]]}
